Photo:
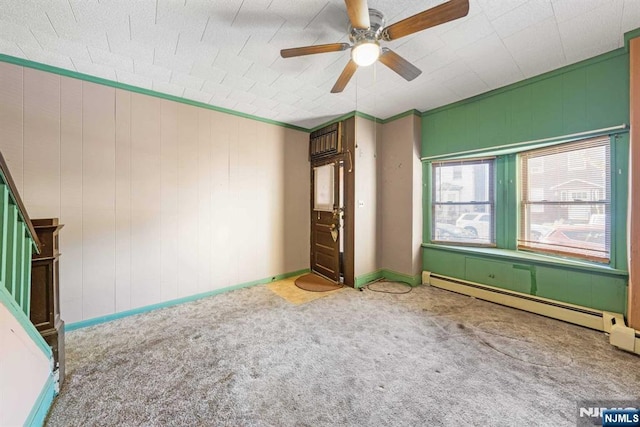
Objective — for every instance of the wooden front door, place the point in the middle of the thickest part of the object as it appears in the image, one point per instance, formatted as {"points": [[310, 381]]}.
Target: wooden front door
{"points": [[325, 218]]}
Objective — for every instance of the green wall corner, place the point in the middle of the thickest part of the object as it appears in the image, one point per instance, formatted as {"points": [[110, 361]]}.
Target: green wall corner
{"points": [[630, 35], [363, 279], [390, 275], [394, 276]]}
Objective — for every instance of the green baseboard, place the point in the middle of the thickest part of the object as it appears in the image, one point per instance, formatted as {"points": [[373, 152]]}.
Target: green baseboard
{"points": [[394, 276], [368, 278], [387, 274], [41, 407], [147, 308]]}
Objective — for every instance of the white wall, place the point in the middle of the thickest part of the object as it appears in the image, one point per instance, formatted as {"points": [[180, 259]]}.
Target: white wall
{"points": [[366, 257], [418, 191], [24, 370], [160, 200]]}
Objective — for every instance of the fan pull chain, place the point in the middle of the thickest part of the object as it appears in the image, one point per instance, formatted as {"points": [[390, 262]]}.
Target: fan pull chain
{"points": [[375, 103]]}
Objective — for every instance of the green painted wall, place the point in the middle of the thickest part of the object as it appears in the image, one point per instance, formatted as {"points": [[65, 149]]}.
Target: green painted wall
{"points": [[583, 97], [601, 290], [589, 95]]}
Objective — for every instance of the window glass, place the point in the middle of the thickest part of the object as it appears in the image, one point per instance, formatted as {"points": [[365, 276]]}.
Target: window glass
{"points": [[463, 202], [323, 187], [567, 212]]}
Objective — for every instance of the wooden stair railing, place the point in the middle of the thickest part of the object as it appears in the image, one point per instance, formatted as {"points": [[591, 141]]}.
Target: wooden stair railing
{"points": [[29, 266], [45, 290], [18, 242]]}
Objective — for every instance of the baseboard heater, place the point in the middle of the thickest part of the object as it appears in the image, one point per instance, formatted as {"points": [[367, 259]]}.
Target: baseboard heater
{"points": [[613, 324]]}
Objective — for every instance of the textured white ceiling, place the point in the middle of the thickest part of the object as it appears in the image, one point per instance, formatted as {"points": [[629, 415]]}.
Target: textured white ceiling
{"points": [[226, 52]]}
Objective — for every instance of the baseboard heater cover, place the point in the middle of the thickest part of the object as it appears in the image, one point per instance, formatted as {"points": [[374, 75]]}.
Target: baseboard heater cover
{"points": [[613, 324]]}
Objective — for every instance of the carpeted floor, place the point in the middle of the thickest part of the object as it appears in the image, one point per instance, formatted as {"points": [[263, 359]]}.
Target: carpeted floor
{"points": [[250, 358]]}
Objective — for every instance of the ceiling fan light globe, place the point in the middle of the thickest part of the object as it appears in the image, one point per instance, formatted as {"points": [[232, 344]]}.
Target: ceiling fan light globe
{"points": [[365, 54]]}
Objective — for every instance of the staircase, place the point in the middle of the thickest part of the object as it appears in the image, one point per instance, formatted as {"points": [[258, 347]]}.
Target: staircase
{"points": [[27, 381]]}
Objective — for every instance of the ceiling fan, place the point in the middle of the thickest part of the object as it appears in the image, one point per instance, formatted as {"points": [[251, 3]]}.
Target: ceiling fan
{"points": [[368, 29]]}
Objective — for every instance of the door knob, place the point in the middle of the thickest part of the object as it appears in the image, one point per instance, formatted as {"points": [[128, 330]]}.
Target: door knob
{"points": [[334, 232]]}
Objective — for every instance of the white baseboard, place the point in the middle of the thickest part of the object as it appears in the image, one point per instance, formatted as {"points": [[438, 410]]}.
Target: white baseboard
{"points": [[620, 335]]}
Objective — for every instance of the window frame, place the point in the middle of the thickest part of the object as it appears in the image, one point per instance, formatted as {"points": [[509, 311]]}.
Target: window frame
{"points": [[492, 203], [566, 199]]}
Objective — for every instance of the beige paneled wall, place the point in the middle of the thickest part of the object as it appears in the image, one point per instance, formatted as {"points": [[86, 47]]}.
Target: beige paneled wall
{"points": [[123, 202], [400, 196], [11, 117], [396, 177], [41, 127], [388, 219], [160, 200], [71, 195], [98, 203]]}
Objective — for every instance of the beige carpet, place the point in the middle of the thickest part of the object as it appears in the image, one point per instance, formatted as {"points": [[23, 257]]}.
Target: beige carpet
{"points": [[356, 358], [288, 290]]}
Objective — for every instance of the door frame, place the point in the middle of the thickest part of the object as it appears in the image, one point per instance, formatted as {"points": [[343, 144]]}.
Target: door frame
{"points": [[347, 233], [320, 219]]}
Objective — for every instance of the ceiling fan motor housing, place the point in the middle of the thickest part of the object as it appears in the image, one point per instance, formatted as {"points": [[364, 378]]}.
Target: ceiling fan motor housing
{"points": [[372, 33]]}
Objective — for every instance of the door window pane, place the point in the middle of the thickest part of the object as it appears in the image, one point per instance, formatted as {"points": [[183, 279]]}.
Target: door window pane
{"points": [[323, 187]]}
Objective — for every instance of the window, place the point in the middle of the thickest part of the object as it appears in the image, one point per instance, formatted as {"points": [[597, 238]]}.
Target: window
{"points": [[457, 172], [577, 162], [323, 187], [567, 212], [536, 165], [463, 211]]}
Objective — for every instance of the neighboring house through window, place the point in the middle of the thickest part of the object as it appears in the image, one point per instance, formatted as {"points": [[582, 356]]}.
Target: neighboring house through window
{"points": [[463, 202], [567, 212]]}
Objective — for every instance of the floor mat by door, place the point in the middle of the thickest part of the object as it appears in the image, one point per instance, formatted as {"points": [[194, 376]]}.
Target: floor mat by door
{"points": [[314, 283]]}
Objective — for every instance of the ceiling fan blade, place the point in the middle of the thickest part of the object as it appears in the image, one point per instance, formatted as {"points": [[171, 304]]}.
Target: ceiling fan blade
{"points": [[310, 50], [445, 12], [344, 78], [398, 64], [358, 12]]}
